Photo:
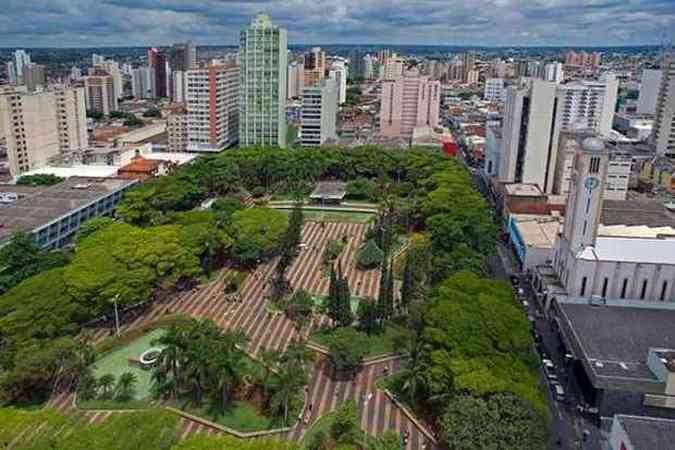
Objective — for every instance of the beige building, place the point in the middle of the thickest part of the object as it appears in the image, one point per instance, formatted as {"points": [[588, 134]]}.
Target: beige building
{"points": [[39, 126], [664, 125], [177, 133], [100, 93]]}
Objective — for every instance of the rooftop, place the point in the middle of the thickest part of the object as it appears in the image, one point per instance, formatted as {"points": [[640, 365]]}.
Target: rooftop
{"points": [[38, 206], [648, 433], [631, 250], [613, 338], [523, 190], [332, 190], [651, 213], [538, 231]]}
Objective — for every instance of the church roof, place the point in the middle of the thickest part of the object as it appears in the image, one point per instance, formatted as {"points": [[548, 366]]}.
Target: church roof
{"points": [[631, 250]]}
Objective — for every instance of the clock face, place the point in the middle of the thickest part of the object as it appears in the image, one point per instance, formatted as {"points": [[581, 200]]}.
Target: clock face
{"points": [[591, 183]]}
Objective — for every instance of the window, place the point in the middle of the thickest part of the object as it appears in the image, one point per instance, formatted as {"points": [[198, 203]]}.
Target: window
{"points": [[595, 165], [583, 287], [604, 287], [643, 292], [624, 287], [664, 288]]}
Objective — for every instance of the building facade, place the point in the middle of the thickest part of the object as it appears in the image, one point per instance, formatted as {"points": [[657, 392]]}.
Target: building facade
{"points": [[177, 132], [664, 126], [143, 83], [494, 90], [319, 113], [263, 55], [212, 108], [338, 73], [100, 94], [650, 85], [407, 102], [296, 79]]}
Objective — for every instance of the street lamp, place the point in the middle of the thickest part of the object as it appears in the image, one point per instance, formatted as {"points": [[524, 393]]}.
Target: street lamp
{"points": [[117, 317]]}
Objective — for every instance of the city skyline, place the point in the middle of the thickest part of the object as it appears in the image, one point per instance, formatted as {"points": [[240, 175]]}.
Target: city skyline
{"points": [[78, 23]]}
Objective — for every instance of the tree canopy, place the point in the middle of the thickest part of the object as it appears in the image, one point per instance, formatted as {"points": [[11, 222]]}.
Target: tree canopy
{"points": [[257, 233]]}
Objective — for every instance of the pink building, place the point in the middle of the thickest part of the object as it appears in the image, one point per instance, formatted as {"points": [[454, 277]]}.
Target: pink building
{"points": [[407, 102]]}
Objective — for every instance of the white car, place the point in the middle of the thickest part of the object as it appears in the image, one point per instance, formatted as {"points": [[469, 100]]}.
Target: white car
{"points": [[549, 369]]}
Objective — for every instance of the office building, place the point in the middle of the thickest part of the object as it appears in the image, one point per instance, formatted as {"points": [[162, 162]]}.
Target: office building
{"points": [[143, 83], [183, 57], [315, 66], [35, 77], [263, 84], [212, 108], [494, 90], [100, 94], [296, 79], [407, 102], [41, 125], [338, 72], [21, 59], [177, 132], [535, 113], [553, 72], [159, 61], [650, 85], [54, 214], [319, 113], [664, 126]]}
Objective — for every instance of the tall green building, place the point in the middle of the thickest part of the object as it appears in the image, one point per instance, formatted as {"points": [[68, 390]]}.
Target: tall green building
{"points": [[263, 62]]}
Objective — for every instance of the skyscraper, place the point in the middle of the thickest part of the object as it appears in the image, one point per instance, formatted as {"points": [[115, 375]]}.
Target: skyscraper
{"points": [[319, 112], [468, 64], [159, 61], [100, 94], [212, 107], [11, 72], [143, 82], [407, 102], [338, 72], [35, 76], [22, 59], [296, 79], [183, 56], [650, 85], [356, 64], [263, 56], [664, 126], [553, 72], [315, 66]]}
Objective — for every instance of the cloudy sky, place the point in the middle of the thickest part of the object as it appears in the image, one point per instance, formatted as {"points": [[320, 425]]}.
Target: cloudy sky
{"points": [[80, 23]]}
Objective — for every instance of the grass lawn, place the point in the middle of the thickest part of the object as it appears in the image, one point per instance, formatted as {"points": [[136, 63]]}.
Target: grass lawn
{"points": [[378, 344], [321, 426], [240, 415], [333, 216], [117, 362], [320, 300]]}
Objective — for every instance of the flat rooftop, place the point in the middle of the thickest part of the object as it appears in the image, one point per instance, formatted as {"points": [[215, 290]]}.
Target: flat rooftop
{"points": [[648, 433], [537, 230], [331, 190], [651, 213], [38, 206], [631, 250], [614, 339]]}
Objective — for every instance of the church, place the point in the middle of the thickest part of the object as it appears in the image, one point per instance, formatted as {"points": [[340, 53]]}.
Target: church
{"points": [[601, 268]]}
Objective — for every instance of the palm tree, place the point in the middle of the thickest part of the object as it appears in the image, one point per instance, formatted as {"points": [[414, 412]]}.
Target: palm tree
{"points": [[126, 385], [269, 360], [414, 376], [286, 385], [228, 365], [106, 383], [296, 356], [86, 387], [168, 364]]}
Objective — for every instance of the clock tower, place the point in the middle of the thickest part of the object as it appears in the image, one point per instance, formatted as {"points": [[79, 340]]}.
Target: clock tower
{"points": [[584, 204]]}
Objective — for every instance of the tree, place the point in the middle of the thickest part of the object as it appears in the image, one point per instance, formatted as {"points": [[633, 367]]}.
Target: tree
{"points": [[293, 236], [106, 384], [367, 314], [300, 308], [257, 232], [500, 421], [339, 299], [347, 348], [167, 371], [96, 115], [46, 179], [152, 112], [387, 441], [269, 360], [86, 387], [126, 386], [362, 189], [369, 256], [409, 285], [133, 121], [346, 425], [385, 297]]}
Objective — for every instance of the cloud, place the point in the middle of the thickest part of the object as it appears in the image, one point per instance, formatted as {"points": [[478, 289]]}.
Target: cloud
{"points": [[48, 23]]}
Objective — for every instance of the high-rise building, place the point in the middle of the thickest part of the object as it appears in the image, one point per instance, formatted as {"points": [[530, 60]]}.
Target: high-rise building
{"points": [[143, 83], [650, 85], [356, 64], [112, 68], [468, 65], [534, 69], [96, 59], [338, 72], [212, 97], [35, 76], [159, 61], [663, 134], [553, 72], [394, 68], [178, 86], [22, 59], [369, 63], [494, 90], [183, 56], [100, 94], [41, 125], [296, 79], [319, 113], [407, 102], [11, 73], [177, 131], [263, 84], [315, 66], [75, 73], [383, 56], [534, 115]]}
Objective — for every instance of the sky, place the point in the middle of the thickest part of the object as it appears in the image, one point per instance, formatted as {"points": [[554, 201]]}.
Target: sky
{"points": [[91, 23]]}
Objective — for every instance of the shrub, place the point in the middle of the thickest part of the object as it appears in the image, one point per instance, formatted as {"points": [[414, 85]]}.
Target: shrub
{"points": [[370, 256]]}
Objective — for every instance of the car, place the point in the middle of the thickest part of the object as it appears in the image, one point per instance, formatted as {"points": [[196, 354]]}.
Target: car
{"points": [[549, 369], [525, 304], [558, 391]]}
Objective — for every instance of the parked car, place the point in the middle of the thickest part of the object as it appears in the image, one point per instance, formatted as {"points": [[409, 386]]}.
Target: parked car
{"points": [[558, 391], [549, 369]]}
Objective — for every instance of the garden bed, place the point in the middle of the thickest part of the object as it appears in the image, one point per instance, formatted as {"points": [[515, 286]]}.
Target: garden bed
{"points": [[385, 342]]}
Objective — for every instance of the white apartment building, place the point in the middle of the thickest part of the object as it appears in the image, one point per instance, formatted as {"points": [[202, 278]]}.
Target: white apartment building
{"points": [[296, 79], [263, 57], [664, 126], [112, 68], [22, 59], [41, 125], [319, 113], [394, 68], [650, 85], [100, 94], [178, 86], [143, 83], [338, 72], [494, 90], [537, 111], [553, 72], [211, 99]]}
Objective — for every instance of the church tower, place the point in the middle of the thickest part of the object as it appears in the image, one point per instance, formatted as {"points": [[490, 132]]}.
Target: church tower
{"points": [[584, 204]]}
